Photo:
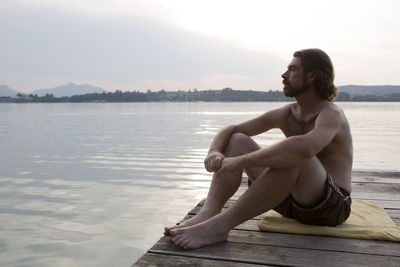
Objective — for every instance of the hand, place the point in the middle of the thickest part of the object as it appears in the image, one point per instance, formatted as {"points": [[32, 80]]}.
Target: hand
{"points": [[230, 165], [213, 161]]}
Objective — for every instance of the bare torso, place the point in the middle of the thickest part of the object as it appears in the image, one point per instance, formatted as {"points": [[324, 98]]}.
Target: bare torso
{"points": [[337, 156]]}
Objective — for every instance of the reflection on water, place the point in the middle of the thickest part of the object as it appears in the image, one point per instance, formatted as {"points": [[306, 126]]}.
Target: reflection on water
{"points": [[375, 128], [94, 184]]}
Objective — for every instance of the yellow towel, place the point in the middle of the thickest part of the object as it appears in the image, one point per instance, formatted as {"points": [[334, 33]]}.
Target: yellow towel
{"points": [[368, 220]]}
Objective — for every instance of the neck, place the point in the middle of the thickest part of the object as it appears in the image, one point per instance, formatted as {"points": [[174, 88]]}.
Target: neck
{"points": [[308, 101]]}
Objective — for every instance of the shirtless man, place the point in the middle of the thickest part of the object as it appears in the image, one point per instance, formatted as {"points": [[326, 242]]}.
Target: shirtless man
{"points": [[307, 176]]}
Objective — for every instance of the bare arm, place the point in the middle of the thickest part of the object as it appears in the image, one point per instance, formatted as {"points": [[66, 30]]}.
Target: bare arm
{"points": [[214, 157], [293, 150], [263, 123]]}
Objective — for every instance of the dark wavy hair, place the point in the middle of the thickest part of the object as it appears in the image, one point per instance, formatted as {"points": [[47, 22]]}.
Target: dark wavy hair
{"points": [[318, 62]]}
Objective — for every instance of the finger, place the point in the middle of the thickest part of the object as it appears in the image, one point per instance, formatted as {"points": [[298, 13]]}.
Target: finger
{"points": [[215, 164], [218, 164], [207, 165]]}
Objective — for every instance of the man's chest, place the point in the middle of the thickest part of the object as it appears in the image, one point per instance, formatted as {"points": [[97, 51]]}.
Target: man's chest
{"points": [[297, 125]]}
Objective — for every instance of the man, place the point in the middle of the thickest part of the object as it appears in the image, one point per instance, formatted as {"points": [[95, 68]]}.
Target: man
{"points": [[307, 176]]}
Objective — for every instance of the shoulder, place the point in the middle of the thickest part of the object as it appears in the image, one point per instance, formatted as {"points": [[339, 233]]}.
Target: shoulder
{"points": [[278, 112], [331, 109], [332, 114], [275, 117], [289, 108]]}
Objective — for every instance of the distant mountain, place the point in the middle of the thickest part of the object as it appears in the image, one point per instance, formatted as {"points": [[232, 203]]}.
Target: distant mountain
{"points": [[370, 89], [7, 91], [70, 90]]}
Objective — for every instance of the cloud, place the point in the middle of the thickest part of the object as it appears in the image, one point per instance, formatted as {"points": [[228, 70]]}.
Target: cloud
{"points": [[47, 47]]}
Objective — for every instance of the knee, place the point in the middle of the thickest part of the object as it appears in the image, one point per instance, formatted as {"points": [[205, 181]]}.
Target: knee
{"points": [[240, 144], [239, 139]]}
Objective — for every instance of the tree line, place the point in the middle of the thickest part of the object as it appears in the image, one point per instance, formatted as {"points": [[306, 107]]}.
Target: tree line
{"points": [[224, 95]]}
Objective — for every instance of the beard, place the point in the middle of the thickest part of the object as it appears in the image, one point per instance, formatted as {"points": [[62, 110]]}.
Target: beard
{"points": [[290, 91]]}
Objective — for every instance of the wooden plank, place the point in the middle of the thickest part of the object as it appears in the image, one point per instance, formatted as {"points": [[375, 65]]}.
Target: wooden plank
{"points": [[375, 180], [247, 246], [376, 188], [250, 231], [375, 196], [347, 245], [391, 248], [282, 256], [159, 259], [377, 174], [393, 213]]}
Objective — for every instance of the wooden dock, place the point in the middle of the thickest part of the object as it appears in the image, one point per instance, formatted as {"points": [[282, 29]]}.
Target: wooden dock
{"points": [[247, 246]]}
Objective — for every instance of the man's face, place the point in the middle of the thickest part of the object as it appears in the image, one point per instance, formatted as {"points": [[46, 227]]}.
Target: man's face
{"points": [[294, 79]]}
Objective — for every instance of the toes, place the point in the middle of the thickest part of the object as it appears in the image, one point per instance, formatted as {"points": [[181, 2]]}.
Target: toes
{"points": [[167, 231], [174, 232], [179, 240], [185, 243], [189, 245], [174, 238]]}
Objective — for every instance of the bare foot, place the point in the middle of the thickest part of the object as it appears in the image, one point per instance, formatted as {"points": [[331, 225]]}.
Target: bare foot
{"points": [[199, 235], [202, 216]]}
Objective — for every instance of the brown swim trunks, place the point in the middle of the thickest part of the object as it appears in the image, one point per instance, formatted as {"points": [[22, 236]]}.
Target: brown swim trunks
{"points": [[333, 210]]}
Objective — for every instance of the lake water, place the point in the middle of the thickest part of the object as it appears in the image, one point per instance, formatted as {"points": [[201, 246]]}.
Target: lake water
{"points": [[94, 184]]}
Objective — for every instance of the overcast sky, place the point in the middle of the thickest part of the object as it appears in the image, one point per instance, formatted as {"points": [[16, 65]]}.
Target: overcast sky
{"points": [[179, 45]]}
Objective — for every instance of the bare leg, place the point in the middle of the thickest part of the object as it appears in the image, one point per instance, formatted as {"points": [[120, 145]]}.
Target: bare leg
{"points": [[223, 186], [271, 188], [266, 193]]}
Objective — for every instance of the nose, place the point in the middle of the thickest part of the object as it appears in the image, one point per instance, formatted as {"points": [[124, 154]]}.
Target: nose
{"points": [[284, 75]]}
